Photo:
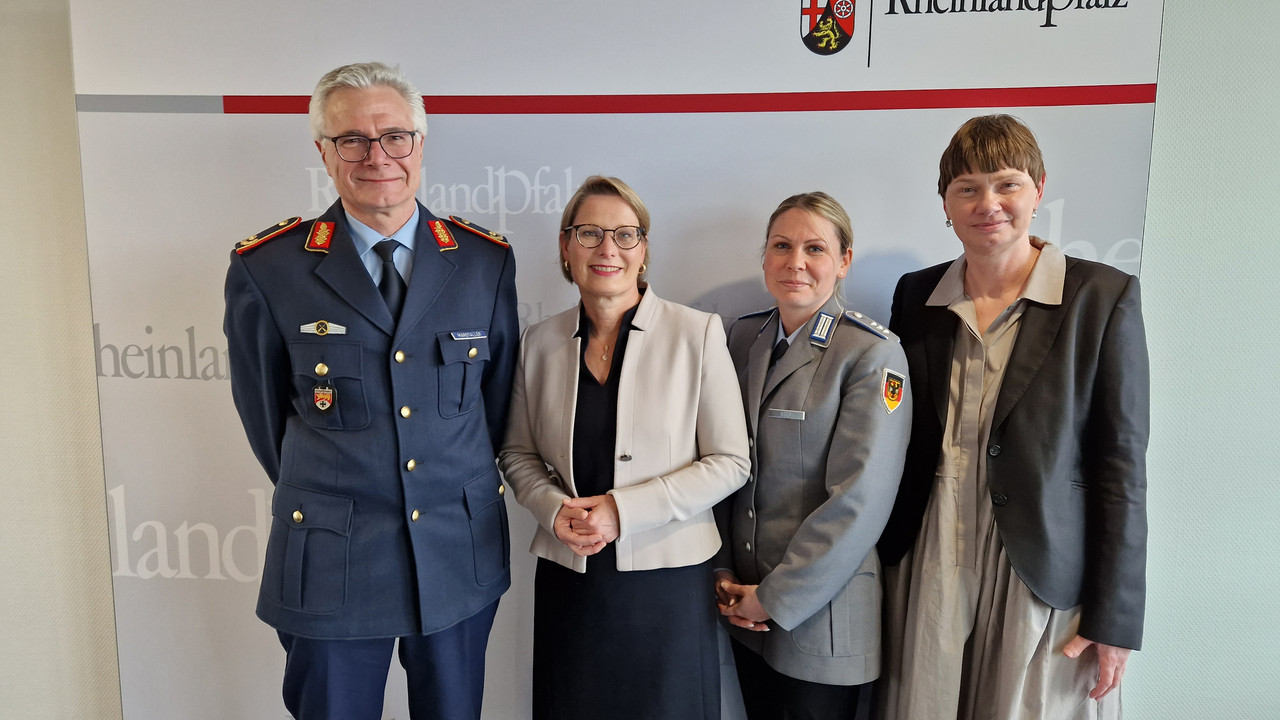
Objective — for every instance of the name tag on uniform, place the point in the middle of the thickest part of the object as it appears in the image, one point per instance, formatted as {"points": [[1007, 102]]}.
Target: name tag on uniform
{"points": [[468, 334], [786, 414]]}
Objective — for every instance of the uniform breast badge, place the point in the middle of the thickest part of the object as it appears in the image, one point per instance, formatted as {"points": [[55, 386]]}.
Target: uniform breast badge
{"points": [[323, 327], [323, 395]]}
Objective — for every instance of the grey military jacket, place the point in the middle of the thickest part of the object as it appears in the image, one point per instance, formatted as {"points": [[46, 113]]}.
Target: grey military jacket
{"points": [[829, 427]]}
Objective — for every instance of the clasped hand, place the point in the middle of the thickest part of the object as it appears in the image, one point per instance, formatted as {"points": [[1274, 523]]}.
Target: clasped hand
{"points": [[586, 525], [739, 604]]}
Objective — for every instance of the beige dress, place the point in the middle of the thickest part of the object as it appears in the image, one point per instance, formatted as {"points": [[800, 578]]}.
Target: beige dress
{"points": [[965, 638]]}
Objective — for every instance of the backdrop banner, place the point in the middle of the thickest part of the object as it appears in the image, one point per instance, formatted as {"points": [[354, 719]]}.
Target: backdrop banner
{"points": [[194, 135]]}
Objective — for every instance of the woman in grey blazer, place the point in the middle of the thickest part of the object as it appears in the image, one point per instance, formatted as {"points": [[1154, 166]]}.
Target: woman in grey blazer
{"points": [[625, 430], [828, 409]]}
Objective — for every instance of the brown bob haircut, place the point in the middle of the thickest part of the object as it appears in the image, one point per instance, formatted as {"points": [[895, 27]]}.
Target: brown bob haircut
{"points": [[989, 143], [608, 186]]}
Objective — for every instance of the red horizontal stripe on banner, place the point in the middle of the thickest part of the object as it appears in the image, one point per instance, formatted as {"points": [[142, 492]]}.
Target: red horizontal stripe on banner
{"points": [[266, 104], [739, 102]]}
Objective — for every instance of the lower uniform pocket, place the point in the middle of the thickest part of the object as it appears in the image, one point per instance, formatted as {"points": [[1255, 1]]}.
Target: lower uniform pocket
{"points": [[490, 536], [307, 552]]}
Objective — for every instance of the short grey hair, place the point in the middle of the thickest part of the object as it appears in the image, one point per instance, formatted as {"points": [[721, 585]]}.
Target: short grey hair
{"points": [[365, 75]]}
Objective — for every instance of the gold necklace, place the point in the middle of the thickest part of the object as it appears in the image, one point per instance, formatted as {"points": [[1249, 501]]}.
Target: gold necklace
{"points": [[604, 354]]}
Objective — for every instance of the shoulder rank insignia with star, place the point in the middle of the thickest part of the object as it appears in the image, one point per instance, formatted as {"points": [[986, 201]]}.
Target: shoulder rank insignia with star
{"points": [[869, 325], [254, 241], [486, 234]]}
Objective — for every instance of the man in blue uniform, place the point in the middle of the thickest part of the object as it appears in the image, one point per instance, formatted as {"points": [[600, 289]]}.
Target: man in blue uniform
{"points": [[371, 354]]}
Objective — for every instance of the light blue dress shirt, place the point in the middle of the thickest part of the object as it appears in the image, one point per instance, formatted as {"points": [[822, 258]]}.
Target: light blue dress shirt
{"points": [[366, 237]]}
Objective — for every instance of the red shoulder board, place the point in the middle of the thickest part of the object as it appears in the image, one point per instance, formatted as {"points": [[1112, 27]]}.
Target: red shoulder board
{"points": [[254, 241], [320, 237], [443, 237], [486, 234]]}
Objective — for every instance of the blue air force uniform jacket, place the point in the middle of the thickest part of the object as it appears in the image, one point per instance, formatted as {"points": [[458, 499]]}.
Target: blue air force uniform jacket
{"points": [[387, 518]]}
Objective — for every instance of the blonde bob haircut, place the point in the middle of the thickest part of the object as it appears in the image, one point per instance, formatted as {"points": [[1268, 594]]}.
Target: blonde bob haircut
{"points": [[609, 187]]}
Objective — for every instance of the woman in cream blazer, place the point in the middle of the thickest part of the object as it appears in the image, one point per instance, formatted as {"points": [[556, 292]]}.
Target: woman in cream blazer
{"points": [[626, 428]]}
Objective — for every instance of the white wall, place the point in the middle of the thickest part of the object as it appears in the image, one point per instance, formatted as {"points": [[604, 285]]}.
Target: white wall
{"points": [[57, 635], [1209, 251], [1210, 261]]}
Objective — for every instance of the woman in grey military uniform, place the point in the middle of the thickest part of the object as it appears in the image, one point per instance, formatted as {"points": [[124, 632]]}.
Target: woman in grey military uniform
{"points": [[828, 409]]}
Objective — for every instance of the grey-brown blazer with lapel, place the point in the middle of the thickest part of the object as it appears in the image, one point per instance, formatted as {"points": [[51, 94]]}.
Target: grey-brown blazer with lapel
{"points": [[826, 455], [1066, 459]]}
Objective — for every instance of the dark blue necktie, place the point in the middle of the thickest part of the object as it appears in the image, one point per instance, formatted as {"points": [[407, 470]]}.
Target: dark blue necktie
{"points": [[392, 285], [779, 350]]}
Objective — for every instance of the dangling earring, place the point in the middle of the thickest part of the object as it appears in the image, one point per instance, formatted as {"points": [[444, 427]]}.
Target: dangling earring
{"points": [[566, 265], [643, 268], [948, 222], [1034, 212]]}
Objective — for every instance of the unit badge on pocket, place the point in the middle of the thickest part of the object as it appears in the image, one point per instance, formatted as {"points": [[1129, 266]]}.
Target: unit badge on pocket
{"points": [[323, 396]]}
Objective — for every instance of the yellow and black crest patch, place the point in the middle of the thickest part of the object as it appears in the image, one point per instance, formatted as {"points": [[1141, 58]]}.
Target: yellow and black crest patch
{"points": [[486, 234], [254, 241], [320, 237], [894, 386]]}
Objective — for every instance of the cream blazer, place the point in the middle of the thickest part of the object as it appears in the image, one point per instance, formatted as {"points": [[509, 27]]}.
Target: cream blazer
{"points": [[681, 441]]}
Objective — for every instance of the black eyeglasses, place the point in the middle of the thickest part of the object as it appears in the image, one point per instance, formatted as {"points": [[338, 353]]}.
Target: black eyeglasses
{"points": [[590, 236], [354, 148]]}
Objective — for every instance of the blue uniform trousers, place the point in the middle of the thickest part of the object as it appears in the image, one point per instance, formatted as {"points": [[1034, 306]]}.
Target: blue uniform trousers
{"points": [[346, 679]]}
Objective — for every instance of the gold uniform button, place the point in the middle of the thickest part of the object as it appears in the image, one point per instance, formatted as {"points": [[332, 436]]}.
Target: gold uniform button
{"points": [[322, 369], [472, 352], [502, 489], [405, 411], [415, 516], [399, 356], [411, 465], [297, 516]]}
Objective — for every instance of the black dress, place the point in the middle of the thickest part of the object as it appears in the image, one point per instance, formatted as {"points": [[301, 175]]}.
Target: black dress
{"points": [[619, 645]]}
